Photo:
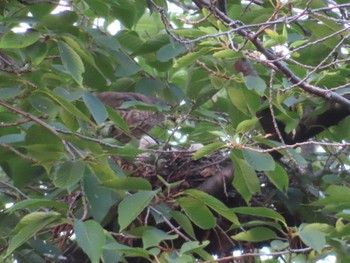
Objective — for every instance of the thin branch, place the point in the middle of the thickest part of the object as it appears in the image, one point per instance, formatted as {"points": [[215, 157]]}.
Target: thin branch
{"points": [[24, 156], [15, 188], [272, 254], [170, 224], [288, 146], [275, 125], [14, 123], [40, 122], [271, 56]]}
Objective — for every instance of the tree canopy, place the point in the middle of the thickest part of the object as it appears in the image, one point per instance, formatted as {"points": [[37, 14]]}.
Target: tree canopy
{"points": [[226, 132]]}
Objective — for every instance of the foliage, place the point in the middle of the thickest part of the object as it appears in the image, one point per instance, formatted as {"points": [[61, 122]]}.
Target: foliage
{"points": [[235, 171]]}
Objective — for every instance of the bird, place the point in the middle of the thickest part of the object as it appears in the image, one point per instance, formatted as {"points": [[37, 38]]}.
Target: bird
{"points": [[140, 122]]}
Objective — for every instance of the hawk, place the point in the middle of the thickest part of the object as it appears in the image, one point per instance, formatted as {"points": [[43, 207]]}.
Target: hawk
{"points": [[139, 122]]}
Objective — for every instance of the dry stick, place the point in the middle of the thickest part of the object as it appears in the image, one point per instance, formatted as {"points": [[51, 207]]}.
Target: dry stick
{"points": [[40, 122]]}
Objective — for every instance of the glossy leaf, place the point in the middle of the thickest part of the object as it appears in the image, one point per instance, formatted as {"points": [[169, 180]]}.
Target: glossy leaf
{"points": [[278, 177], [91, 238], [256, 84], [153, 237], [257, 234], [313, 238], [207, 149], [44, 105], [191, 246], [72, 62], [6, 93], [100, 200], [127, 184], [197, 212], [96, 107], [260, 211], [214, 204], [19, 40], [184, 223], [132, 206], [37, 203], [245, 179], [259, 161], [69, 173], [29, 226], [170, 51]]}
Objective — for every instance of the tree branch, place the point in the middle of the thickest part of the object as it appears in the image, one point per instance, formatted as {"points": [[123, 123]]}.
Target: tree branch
{"points": [[271, 56]]}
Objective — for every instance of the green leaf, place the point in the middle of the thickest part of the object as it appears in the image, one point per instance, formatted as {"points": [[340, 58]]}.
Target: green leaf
{"points": [[245, 179], [37, 52], [6, 93], [132, 206], [170, 51], [69, 107], [335, 194], [313, 238], [214, 204], [130, 183], [259, 161], [12, 138], [207, 149], [256, 84], [100, 200], [188, 32], [129, 39], [43, 105], [91, 238], [41, 9], [237, 97], [256, 235], [191, 58], [102, 171], [198, 212], [278, 177], [117, 119], [247, 126], [29, 226], [192, 246], [37, 203], [227, 54], [96, 107], [71, 61], [279, 245], [153, 237], [19, 40], [104, 40], [183, 222], [152, 44], [149, 86], [129, 251], [127, 66], [69, 173], [260, 211], [338, 193]]}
